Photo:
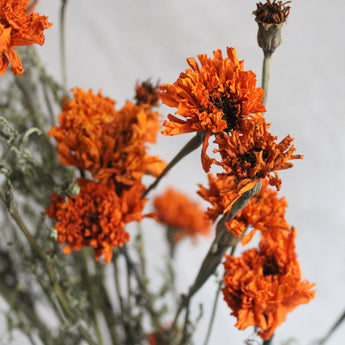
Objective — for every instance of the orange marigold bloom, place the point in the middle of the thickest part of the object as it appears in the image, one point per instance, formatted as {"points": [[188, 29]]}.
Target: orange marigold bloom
{"points": [[214, 97], [18, 28], [252, 152], [111, 144], [177, 211], [96, 217], [262, 287], [264, 211]]}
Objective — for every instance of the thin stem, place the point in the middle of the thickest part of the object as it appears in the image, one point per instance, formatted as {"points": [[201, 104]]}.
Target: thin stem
{"points": [[117, 282], [268, 342], [266, 74], [332, 330], [148, 300], [93, 298], [62, 44], [185, 326], [192, 145], [215, 303], [50, 270], [141, 250]]}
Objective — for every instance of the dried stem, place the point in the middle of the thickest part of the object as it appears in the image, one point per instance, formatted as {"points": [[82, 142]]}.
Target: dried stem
{"points": [[192, 145], [62, 44], [268, 342], [266, 74], [93, 297], [332, 330], [214, 309], [65, 305]]}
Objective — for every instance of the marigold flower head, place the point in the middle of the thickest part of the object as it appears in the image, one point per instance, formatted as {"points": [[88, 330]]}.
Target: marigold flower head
{"points": [[263, 286], [18, 28], [177, 211], [111, 144], [214, 97], [272, 12], [264, 211], [146, 93], [252, 152], [96, 217]]}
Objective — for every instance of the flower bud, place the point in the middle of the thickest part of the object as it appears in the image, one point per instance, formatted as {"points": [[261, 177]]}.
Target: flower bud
{"points": [[270, 18]]}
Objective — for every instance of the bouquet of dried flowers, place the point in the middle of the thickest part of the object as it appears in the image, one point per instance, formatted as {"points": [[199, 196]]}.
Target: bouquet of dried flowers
{"points": [[71, 183]]}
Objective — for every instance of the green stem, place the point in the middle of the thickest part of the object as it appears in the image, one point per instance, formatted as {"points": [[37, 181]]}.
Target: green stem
{"points": [[62, 44], [266, 74], [93, 297], [268, 341], [214, 309], [332, 330], [50, 270], [148, 303], [117, 282], [192, 145]]}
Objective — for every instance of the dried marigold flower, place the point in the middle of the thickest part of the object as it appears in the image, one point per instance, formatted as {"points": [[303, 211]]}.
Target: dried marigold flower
{"points": [[182, 215], [146, 93], [18, 28], [264, 211], [272, 12], [270, 18], [252, 153], [96, 217], [111, 144], [262, 286], [214, 97]]}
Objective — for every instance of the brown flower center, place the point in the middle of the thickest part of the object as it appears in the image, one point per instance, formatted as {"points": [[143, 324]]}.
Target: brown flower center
{"points": [[231, 108], [272, 13], [270, 267]]}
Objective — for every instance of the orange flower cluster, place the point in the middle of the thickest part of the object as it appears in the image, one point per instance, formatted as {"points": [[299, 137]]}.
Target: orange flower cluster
{"points": [[214, 97], [184, 216], [220, 98], [264, 211], [18, 28], [111, 144], [263, 286], [96, 217]]}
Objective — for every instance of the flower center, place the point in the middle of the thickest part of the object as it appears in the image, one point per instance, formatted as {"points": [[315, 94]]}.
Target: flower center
{"points": [[270, 267], [231, 108], [250, 157]]}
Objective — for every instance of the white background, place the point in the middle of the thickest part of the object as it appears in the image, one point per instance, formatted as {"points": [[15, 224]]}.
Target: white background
{"points": [[112, 44]]}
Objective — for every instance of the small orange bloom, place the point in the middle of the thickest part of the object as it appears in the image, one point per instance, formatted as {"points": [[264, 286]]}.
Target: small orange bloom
{"points": [[18, 28], [96, 217], [111, 144], [264, 211], [214, 97], [252, 152], [262, 287], [175, 210]]}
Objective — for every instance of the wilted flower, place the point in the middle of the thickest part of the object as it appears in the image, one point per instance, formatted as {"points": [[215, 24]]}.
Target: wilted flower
{"points": [[212, 98], [262, 286], [111, 144], [252, 153], [146, 93], [18, 28], [96, 217], [264, 211]]}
